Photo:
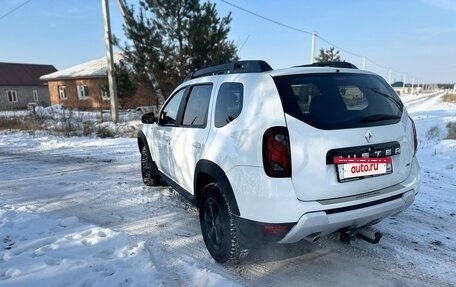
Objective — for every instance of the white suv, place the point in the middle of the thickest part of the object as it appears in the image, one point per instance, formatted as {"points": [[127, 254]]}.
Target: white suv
{"points": [[277, 155]]}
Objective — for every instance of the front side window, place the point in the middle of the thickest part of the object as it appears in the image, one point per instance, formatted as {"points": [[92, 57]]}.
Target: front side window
{"points": [[339, 101], [62, 92], [304, 94], [12, 96], [353, 97], [168, 115], [83, 92], [229, 103], [195, 113]]}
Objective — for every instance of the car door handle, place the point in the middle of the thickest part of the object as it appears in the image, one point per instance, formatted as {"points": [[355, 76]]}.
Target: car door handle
{"points": [[196, 145]]}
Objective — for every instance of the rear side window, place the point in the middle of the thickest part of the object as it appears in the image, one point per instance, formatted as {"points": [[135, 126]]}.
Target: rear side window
{"points": [[229, 103], [338, 100], [195, 114]]}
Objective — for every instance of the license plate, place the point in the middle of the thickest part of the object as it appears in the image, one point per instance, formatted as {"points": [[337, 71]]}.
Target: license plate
{"points": [[353, 168]]}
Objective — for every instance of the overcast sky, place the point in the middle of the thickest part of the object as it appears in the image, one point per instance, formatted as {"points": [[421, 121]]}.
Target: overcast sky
{"points": [[416, 37]]}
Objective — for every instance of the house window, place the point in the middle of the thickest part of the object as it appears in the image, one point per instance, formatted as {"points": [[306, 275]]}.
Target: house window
{"points": [[12, 96], [62, 92], [35, 95], [104, 92], [83, 92]]}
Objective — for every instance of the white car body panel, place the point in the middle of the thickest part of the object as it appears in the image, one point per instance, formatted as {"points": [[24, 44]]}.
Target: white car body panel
{"points": [[313, 179], [161, 137], [239, 143], [273, 200]]}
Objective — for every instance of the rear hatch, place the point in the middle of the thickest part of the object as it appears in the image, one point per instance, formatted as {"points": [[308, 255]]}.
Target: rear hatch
{"points": [[349, 115]]}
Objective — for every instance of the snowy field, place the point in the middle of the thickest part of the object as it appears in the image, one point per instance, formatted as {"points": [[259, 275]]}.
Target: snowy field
{"points": [[74, 212]]}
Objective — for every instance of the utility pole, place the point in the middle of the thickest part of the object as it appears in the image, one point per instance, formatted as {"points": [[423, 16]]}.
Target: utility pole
{"points": [[413, 84], [110, 62], [364, 63], [312, 52], [403, 83]]}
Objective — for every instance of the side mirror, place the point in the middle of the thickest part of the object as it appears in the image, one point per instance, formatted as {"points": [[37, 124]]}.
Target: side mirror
{"points": [[148, 118]]}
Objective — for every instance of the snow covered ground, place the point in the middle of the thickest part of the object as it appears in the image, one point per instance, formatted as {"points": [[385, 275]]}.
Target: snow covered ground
{"points": [[74, 212], [66, 122], [43, 250]]}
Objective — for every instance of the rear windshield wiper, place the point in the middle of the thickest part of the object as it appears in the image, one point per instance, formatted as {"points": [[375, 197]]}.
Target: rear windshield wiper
{"points": [[378, 118], [389, 97]]}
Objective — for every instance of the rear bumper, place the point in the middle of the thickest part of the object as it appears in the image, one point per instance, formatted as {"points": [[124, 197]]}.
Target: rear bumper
{"points": [[335, 217], [261, 231], [274, 204], [321, 222]]}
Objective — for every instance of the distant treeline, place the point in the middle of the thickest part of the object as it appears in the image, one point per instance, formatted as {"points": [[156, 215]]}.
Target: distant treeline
{"points": [[440, 86]]}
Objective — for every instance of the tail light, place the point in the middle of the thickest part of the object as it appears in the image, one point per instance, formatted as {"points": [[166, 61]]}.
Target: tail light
{"points": [[276, 152], [415, 139]]}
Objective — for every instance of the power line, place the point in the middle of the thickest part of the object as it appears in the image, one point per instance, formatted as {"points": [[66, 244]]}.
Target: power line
{"points": [[14, 9], [378, 65], [310, 33], [289, 27], [268, 19], [341, 49]]}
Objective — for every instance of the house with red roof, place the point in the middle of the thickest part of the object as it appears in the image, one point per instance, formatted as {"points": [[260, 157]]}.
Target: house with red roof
{"points": [[85, 87]]}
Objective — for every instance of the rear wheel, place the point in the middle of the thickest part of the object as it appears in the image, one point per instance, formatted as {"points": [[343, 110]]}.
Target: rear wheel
{"points": [[148, 169], [218, 226]]}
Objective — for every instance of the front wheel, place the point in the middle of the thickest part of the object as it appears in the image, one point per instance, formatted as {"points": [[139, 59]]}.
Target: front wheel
{"points": [[218, 227], [148, 169]]}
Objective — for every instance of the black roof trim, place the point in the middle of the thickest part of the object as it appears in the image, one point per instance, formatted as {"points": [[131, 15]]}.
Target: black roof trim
{"points": [[331, 64], [250, 66]]}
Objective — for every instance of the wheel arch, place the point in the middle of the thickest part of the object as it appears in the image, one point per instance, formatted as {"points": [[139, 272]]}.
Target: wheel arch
{"points": [[207, 172]]}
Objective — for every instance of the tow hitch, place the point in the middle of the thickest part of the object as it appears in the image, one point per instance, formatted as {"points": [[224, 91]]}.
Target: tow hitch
{"points": [[347, 237]]}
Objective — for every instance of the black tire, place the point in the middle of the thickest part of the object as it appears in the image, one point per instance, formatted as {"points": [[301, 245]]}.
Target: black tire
{"points": [[148, 169], [218, 227]]}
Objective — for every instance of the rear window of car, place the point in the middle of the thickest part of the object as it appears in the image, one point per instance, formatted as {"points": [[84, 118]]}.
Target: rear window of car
{"points": [[339, 100]]}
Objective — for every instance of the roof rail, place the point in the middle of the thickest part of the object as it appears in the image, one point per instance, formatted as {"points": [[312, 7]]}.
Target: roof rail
{"points": [[250, 66], [331, 64]]}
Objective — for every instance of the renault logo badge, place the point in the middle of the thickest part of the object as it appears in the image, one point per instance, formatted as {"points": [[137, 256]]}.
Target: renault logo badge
{"points": [[368, 136]]}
